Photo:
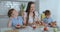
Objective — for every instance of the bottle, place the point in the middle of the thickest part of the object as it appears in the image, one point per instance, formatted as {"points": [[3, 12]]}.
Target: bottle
{"points": [[55, 29]]}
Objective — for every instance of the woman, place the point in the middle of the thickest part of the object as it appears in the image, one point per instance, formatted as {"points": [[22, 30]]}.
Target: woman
{"points": [[30, 16]]}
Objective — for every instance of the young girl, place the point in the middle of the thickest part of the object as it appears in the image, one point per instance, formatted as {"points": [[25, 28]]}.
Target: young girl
{"points": [[30, 16], [14, 19]]}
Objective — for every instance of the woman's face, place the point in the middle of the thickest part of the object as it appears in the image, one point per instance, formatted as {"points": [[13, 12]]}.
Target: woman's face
{"points": [[14, 13], [32, 8]]}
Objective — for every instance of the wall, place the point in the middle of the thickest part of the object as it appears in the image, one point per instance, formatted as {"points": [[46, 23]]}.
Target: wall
{"points": [[6, 5], [58, 13], [17, 0], [53, 6]]}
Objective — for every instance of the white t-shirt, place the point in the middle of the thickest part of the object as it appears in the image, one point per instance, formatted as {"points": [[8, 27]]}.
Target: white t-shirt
{"points": [[31, 18]]}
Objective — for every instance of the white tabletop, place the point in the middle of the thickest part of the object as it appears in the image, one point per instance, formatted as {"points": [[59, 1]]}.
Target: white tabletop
{"points": [[30, 29]]}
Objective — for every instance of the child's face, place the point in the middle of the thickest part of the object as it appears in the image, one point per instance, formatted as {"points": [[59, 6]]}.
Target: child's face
{"points": [[47, 16], [14, 13]]}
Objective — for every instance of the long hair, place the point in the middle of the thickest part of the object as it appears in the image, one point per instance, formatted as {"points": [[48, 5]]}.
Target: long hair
{"points": [[28, 10]]}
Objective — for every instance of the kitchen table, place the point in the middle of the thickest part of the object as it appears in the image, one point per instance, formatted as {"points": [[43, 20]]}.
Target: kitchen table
{"points": [[30, 29]]}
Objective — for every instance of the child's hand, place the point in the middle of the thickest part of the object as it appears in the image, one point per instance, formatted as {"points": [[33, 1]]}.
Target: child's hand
{"points": [[42, 23], [37, 22], [53, 24]]}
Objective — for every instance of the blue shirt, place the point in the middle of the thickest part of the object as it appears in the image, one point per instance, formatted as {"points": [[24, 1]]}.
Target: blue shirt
{"points": [[47, 20], [15, 21]]}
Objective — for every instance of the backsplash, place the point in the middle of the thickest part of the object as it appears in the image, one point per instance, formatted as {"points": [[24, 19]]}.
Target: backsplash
{"points": [[6, 5]]}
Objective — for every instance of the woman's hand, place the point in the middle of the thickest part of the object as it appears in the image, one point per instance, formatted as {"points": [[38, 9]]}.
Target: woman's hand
{"points": [[42, 23]]}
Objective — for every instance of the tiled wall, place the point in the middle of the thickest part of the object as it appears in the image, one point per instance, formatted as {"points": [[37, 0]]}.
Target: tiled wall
{"points": [[6, 5]]}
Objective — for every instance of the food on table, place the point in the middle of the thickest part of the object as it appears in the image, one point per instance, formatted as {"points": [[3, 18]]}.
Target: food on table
{"points": [[11, 31], [34, 26], [45, 28], [55, 29], [18, 26]]}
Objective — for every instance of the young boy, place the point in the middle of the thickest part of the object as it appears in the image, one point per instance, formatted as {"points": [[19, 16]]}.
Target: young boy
{"points": [[48, 20], [14, 19]]}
